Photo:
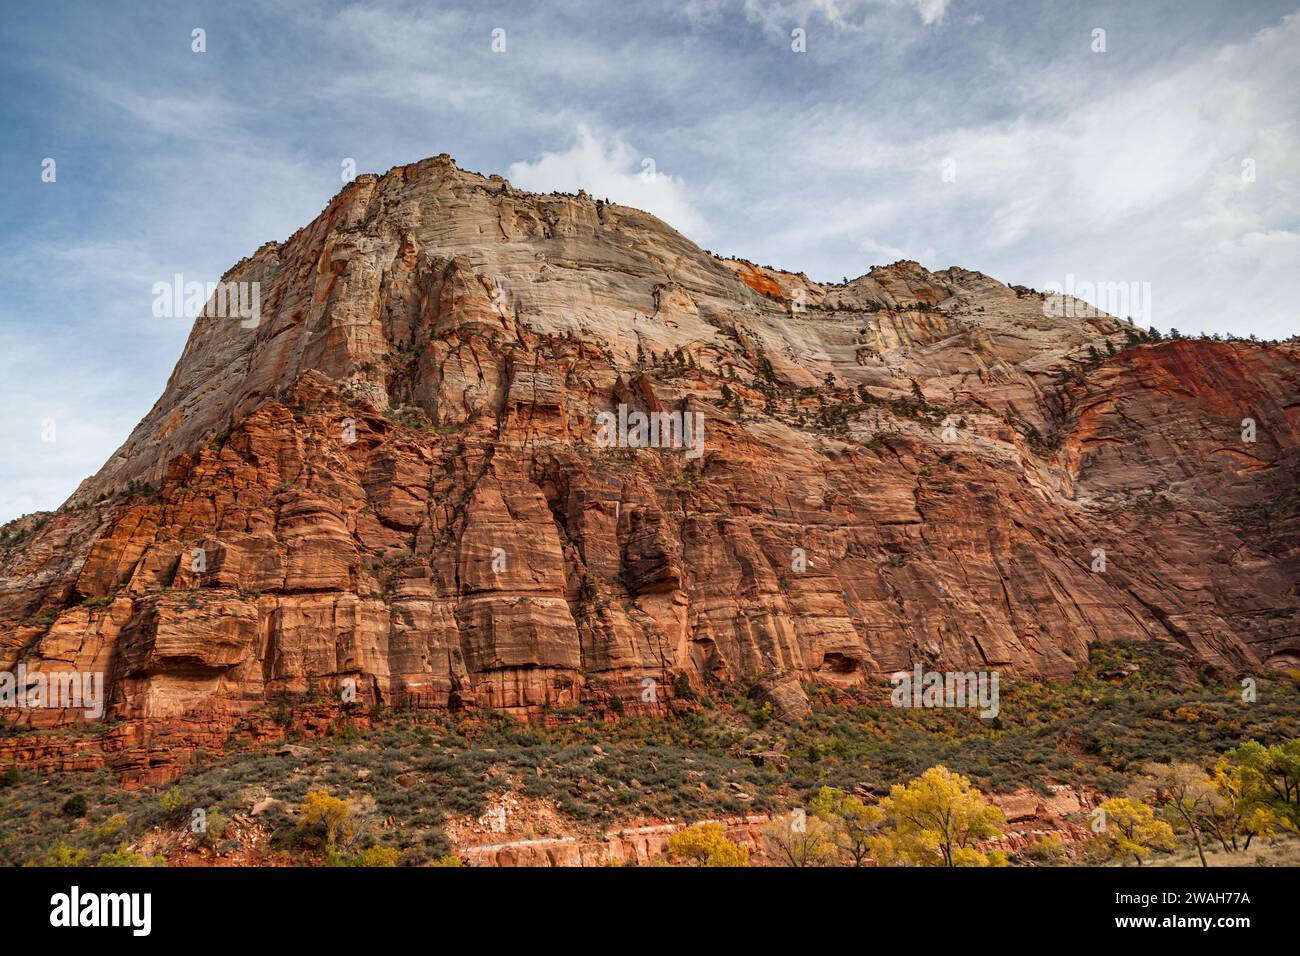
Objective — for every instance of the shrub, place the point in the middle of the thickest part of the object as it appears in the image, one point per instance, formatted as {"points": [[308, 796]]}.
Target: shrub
{"points": [[61, 855], [1047, 851], [110, 828], [371, 856], [214, 826], [329, 814], [124, 856], [706, 844], [173, 801]]}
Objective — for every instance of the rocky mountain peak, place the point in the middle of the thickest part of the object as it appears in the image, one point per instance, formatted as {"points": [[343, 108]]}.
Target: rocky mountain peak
{"points": [[419, 470]]}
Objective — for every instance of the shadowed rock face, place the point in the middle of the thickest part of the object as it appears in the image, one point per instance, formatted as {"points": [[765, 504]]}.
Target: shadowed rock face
{"points": [[394, 478]]}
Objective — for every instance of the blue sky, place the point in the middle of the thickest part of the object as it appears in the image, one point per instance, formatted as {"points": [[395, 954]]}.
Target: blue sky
{"points": [[1115, 166]]}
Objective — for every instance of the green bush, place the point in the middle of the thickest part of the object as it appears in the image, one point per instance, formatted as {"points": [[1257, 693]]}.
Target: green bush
{"points": [[125, 856]]}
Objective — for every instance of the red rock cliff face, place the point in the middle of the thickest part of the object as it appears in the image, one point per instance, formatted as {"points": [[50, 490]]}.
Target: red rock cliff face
{"points": [[395, 478]]}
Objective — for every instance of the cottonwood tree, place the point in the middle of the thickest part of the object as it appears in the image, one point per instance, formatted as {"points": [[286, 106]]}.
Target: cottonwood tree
{"points": [[1270, 776], [1131, 829], [796, 839], [939, 819], [1239, 816], [706, 844], [855, 824], [1186, 795]]}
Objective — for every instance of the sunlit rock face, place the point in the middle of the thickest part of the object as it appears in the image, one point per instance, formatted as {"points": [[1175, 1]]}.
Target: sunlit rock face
{"points": [[393, 480]]}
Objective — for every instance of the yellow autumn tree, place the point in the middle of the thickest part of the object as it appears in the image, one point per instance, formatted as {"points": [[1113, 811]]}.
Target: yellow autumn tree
{"points": [[854, 823], [938, 819], [1239, 815], [1270, 777], [329, 813], [376, 856], [706, 844], [798, 839], [1129, 828], [1186, 797]]}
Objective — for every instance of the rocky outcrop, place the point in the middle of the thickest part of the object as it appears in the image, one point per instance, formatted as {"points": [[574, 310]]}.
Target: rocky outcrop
{"points": [[1030, 817], [395, 484], [627, 846], [785, 695]]}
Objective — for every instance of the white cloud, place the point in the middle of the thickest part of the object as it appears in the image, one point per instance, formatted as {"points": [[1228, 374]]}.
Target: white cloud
{"points": [[611, 169], [1274, 246], [779, 16], [880, 254], [1250, 201], [66, 417], [1131, 177], [931, 11], [1118, 167]]}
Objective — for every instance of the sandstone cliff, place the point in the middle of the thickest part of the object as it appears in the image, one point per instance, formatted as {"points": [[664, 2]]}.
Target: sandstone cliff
{"points": [[394, 478]]}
